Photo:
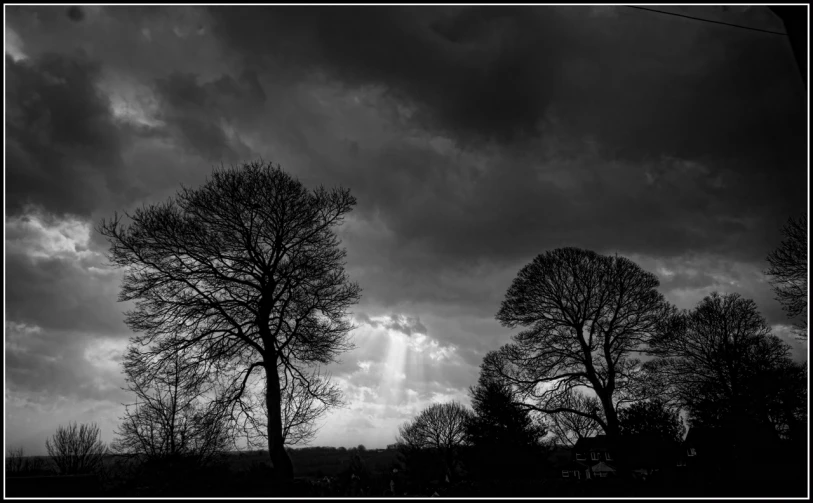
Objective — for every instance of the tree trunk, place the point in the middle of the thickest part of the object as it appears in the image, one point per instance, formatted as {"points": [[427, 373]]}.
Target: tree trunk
{"points": [[280, 461], [613, 429]]}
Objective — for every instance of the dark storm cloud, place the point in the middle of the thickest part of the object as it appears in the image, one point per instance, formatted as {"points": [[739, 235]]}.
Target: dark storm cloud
{"points": [[444, 238], [687, 118], [472, 72], [41, 365], [75, 13], [648, 84], [55, 280], [666, 85], [196, 111], [144, 42], [61, 293], [625, 138], [62, 146]]}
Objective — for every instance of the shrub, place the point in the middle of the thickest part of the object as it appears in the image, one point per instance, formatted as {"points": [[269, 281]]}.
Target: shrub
{"points": [[76, 449]]}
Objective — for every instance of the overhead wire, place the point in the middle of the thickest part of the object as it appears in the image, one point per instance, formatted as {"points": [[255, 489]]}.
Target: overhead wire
{"points": [[706, 20]]}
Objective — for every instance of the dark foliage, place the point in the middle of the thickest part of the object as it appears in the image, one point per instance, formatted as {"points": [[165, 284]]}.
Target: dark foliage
{"points": [[788, 271], [505, 439], [721, 363], [652, 418]]}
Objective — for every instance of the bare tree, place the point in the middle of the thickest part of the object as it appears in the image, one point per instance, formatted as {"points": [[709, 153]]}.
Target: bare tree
{"points": [[171, 419], [76, 450], [440, 427], [568, 427], [243, 273], [717, 357], [584, 316], [788, 271]]}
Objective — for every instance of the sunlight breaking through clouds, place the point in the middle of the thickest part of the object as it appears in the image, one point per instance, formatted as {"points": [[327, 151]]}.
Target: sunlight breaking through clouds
{"points": [[399, 368]]}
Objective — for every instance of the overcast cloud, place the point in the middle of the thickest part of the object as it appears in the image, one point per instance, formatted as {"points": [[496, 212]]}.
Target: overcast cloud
{"points": [[473, 138]]}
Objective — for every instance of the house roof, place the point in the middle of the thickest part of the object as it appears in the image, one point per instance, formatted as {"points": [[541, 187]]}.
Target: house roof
{"points": [[601, 466], [598, 442]]}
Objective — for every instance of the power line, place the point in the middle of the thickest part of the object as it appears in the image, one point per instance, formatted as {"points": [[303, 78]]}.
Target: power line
{"points": [[706, 20]]}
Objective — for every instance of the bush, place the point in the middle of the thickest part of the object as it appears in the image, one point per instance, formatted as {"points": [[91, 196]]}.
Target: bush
{"points": [[76, 450]]}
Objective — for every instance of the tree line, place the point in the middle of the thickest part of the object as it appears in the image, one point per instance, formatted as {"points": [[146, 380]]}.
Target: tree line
{"points": [[241, 299], [600, 351]]}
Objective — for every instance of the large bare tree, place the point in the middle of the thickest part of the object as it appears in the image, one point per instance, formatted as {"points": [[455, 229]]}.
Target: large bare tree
{"points": [[585, 316], [788, 271], [241, 274]]}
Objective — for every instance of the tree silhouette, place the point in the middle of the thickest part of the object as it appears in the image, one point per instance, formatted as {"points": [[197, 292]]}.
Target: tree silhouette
{"points": [[716, 361], [498, 417], [240, 274], [441, 428], [505, 438], [788, 271], [584, 316], [76, 449], [780, 392], [169, 422], [652, 418]]}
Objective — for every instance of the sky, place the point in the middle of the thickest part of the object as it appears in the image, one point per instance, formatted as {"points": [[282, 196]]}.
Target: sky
{"points": [[473, 138]]}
